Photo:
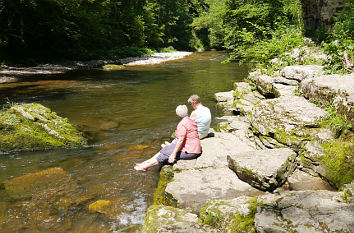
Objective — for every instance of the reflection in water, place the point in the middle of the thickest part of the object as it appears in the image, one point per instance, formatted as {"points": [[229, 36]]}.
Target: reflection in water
{"points": [[126, 114]]}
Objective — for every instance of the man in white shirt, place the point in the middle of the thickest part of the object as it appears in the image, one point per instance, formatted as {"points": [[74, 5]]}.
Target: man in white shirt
{"points": [[201, 115]]}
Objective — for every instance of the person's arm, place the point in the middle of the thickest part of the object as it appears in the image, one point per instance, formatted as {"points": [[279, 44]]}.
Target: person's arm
{"points": [[193, 116], [178, 146]]}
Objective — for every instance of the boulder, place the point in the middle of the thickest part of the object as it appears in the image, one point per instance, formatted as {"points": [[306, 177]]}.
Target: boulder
{"points": [[264, 169], [301, 72], [288, 119], [161, 218], [33, 126], [332, 89], [193, 188]]}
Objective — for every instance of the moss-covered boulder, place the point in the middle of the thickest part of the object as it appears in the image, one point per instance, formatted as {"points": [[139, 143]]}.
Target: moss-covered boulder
{"points": [[33, 126], [166, 219]]}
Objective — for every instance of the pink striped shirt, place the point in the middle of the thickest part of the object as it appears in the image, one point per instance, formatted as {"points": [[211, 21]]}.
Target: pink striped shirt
{"points": [[189, 129]]}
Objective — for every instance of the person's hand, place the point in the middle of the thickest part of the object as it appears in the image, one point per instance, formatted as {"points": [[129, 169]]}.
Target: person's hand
{"points": [[171, 159]]}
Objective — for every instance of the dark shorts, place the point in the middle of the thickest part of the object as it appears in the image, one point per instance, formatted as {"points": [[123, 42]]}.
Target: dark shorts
{"points": [[167, 151]]}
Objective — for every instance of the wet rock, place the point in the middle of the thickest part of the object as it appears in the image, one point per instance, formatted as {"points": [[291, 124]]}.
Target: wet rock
{"points": [[33, 126], [193, 188], [264, 169], [328, 89], [300, 180], [280, 119], [304, 211], [28, 185], [301, 72]]}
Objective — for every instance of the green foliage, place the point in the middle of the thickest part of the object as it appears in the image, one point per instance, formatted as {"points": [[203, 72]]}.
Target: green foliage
{"points": [[168, 49], [339, 43], [339, 162], [338, 123], [90, 29], [283, 39]]}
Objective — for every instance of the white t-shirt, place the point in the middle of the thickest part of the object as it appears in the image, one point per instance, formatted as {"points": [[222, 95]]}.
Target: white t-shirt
{"points": [[202, 120]]}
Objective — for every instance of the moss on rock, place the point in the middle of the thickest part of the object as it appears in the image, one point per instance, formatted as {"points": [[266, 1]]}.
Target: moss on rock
{"points": [[110, 67], [33, 126], [160, 196], [339, 162]]}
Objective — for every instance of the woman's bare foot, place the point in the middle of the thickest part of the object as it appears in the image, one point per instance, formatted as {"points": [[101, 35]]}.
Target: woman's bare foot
{"points": [[140, 168]]}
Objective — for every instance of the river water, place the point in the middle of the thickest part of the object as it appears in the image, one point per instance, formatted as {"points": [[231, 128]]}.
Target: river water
{"points": [[126, 115]]}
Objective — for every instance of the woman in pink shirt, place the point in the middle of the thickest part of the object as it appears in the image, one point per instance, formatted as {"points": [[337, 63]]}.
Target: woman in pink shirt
{"points": [[185, 146]]}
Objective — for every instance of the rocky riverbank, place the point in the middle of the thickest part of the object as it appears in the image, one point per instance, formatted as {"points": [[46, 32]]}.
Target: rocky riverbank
{"points": [[273, 166], [14, 74]]}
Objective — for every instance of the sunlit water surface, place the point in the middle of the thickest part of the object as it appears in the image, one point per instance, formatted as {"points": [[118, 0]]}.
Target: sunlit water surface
{"points": [[126, 115]]}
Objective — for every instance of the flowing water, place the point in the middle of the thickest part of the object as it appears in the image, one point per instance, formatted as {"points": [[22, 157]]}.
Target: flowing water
{"points": [[126, 115]]}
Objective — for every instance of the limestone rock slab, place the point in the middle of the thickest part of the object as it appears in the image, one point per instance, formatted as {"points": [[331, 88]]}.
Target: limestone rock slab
{"points": [[193, 188], [263, 169]]}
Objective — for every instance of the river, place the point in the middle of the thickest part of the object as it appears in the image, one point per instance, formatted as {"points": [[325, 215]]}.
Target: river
{"points": [[126, 115]]}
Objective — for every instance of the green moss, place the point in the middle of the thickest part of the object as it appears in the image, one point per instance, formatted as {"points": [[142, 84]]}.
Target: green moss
{"points": [[222, 127], [245, 223], [160, 196], [339, 162], [210, 217], [347, 196], [33, 126], [288, 139]]}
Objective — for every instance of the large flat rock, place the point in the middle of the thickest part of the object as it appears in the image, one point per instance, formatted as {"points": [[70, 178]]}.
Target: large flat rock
{"points": [[215, 151], [263, 169], [193, 188]]}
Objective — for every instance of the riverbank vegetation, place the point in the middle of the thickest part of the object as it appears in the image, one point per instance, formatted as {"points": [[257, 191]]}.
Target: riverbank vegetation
{"points": [[254, 32]]}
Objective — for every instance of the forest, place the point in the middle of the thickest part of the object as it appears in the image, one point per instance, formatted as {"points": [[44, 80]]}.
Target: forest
{"points": [[33, 31]]}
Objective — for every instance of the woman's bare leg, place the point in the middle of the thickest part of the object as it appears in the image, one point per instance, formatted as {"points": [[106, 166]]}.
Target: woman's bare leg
{"points": [[147, 163]]}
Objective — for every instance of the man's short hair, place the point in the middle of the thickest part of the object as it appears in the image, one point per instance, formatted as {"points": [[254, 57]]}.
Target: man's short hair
{"points": [[195, 99]]}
